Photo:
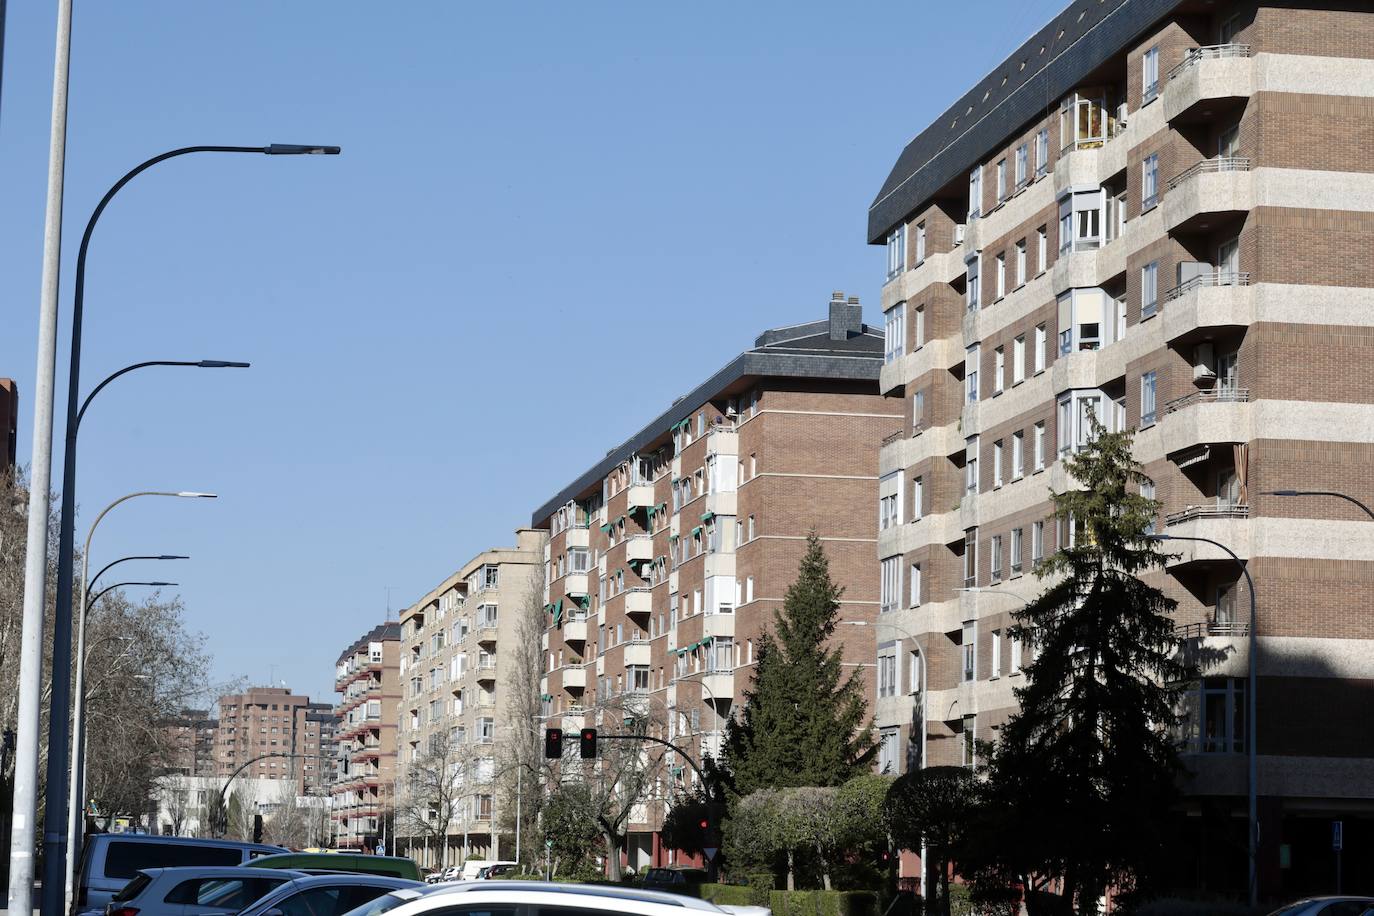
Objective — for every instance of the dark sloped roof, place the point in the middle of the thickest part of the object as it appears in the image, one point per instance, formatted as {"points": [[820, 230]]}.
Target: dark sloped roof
{"points": [[1019, 90], [796, 351], [382, 632]]}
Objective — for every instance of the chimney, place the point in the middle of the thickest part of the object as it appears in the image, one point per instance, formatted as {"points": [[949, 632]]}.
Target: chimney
{"points": [[846, 316]]}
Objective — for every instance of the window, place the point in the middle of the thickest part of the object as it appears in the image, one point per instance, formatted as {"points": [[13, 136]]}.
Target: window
{"points": [[750, 532], [887, 673], [1042, 249], [1080, 221], [970, 557], [971, 372], [1042, 151], [920, 326], [896, 253], [1041, 338], [969, 651], [999, 369], [1083, 120], [887, 511], [638, 679], [1149, 289], [722, 655], [970, 743], [888, 743], [1015, 664], [915, 585], [894, 332], [891, 585], [1001, 180], [975, 192], [995, 546], [1037, 542], [1001, 274], [918, 412], [997, 463], [1081, 318], [971, 464], [973, 291], [1147, 491], [1219, 725], [920, 243], [1020, 263], [1149, 75], [918, 498], [996, 653], [1016, 551], [1149, 181], [1147, 397], [1018, 455], [1022, 161]]}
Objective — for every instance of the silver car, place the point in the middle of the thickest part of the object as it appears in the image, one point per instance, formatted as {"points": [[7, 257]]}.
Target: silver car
{"points": [[324, 895], [1328, 906], [196, 890]]}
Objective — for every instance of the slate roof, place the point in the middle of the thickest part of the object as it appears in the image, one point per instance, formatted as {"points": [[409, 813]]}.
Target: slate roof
{"points": [[1021, 89]]}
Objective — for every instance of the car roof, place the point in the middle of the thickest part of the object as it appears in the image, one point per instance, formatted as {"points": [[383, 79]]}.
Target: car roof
{"points": [[179, 840], [344, 877], [546, 887], [211, 871]]}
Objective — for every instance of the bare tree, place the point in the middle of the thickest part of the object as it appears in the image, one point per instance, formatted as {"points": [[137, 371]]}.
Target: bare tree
{"points": [[522, 769], [176, 797], [432, 791], [289, 825]]}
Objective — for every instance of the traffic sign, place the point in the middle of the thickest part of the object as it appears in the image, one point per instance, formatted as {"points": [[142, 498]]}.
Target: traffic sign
{"points": [[548, 844], [710, 852], [1337, 835]]}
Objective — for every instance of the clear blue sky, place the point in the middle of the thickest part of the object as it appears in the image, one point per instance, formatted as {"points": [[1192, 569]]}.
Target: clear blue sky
{"points": [[528, 192]]}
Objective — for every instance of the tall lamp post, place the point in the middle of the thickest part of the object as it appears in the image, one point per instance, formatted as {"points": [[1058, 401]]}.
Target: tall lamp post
{"points": [[76, 792], [1350, 499], [55, 808], [1251, 743]]}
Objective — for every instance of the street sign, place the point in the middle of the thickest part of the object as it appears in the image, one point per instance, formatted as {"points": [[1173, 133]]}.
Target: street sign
{"points": [[548, 844], [710, 852], [1337, 835]]}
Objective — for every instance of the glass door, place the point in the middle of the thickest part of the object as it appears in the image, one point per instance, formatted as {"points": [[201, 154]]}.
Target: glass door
{"points": [[1228, 263]]}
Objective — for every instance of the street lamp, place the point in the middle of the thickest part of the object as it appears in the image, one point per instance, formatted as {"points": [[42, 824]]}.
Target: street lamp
{"points": [[55, 808], [1252, 744], [1346, 497], [74, 822]]}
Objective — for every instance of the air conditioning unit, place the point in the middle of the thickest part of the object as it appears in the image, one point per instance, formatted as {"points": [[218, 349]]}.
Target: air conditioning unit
{"points": [[958, 233], [1204, 362], [1121, 115]]}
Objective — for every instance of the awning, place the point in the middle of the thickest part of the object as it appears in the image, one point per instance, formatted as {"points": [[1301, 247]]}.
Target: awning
{"points": [[585, 601], [557, 611], [696, 530], [606, 527], [1195, 455], [672, 537], [707, 516]]}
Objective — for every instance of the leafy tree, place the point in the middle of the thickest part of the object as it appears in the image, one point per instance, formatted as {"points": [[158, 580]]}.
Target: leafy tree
{"points": [[804, 723], [751, 832], [933, 806], [568, 834], [686, 812], [861, 806], [1089, 758]]}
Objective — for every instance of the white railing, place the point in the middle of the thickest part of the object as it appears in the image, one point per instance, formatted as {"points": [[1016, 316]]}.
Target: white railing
{"points": [[1209, 166], [1208, 510], [1218, 395], [1209, 278], [1193, 56], [1211, 628]]}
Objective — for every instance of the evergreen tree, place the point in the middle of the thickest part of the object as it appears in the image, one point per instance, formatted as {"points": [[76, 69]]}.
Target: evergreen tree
{"points": [[1089, 763], [804, 723]]}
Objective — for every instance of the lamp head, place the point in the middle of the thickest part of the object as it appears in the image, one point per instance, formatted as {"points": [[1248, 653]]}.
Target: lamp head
{"points": [[300, 149], [172, 556], [221, 364], [1159, 537], [1281, 493], [192, 494]]}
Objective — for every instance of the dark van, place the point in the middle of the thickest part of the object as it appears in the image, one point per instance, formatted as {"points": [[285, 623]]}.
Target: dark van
{"points": [[110, 861]]}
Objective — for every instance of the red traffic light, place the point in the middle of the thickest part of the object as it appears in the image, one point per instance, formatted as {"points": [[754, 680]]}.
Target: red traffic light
{"points": [[553, 743], [704, 824], [587, 743]]}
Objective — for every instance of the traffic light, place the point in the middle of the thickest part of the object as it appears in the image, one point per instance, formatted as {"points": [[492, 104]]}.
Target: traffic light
{"points": [[553, 743], [588, 744]]}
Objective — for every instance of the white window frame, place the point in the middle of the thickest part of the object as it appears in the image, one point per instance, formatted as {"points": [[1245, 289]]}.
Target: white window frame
{"points": [[1037, 541], [971, 464], [971, 358], [1018, 360], [995, 557], [1149, 391], [996, 668], [920, 243], [975, 193], [1149, 75], [1000, 273], [1149, 182], [999, 369], [920, 319], [1018, 454], [1022, 165], [896, 253], [1042, 151], [1149, 290], [914, 586], [997, 452], [1020, 263], [894, 333], [968, 653], [1042, 250], [1017, 551], [1041, 342], [973, 293], [890, 585], [887, 672], [1001, 180], [918, 494]]}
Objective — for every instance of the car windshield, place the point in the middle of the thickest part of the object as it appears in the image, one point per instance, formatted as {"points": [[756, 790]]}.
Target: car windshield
{"points": [[380, 905], [133, 888], [1291, 908]]}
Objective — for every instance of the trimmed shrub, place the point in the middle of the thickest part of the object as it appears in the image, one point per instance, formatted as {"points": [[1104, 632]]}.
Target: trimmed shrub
{"points": [[823, 903]]}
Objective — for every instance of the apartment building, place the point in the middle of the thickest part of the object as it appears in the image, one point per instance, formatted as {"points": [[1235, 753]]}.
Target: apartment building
{"points": [[367, 676], [1146, 213], [457, 646], [190, 739], [271, 733], [668, 557]]}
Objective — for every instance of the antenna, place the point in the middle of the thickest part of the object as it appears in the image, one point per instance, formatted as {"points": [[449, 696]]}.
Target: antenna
{"points": [[388, 589]]}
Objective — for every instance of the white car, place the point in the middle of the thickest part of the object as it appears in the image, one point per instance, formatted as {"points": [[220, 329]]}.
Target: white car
{"points": [[541, 898]]}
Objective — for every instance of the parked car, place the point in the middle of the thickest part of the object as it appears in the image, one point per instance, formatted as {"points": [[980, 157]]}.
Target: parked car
{"points": [[512, 898], [356, 863], [1328, 906], [111, 860], [673, 877], [485, 870], [212, 890], [325, 895]]}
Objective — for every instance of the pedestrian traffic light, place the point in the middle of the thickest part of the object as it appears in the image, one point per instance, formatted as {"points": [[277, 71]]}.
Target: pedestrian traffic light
{"points": [[588, 744], [553, 743]]}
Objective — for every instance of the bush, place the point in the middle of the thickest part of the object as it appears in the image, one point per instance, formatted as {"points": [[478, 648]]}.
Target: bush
{"points": [[823, 903], [727, 894]]}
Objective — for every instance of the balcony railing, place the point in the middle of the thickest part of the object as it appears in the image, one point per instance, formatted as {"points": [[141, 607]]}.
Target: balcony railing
{"points": [[1211, 628], [1209, 510], [888, 440], [1209, 278], [1209, 52], [1206, 166], [1218, 395]]}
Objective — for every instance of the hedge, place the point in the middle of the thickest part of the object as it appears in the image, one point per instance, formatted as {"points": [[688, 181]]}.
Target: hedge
{"points": [[786, 903]]}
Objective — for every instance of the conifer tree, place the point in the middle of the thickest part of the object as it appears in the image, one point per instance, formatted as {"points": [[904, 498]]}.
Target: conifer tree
{"points": [[804, 722]]}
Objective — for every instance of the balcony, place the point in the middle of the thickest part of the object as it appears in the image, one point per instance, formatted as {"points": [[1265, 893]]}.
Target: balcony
{"points": [[640, 495], [579, 536], [1218, 395], [486, 671], [1211, 187], [639, 601], [1208, 74], [637, 652], [1207, 511], [574, 677], [639, 548], [1218, 628], [575, 631]]}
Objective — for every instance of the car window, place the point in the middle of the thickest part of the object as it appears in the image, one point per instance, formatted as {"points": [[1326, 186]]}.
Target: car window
{"points": [[133, 888], [379, 905], [123, 860], [1345, 908], [356, 895], [227, 893]]}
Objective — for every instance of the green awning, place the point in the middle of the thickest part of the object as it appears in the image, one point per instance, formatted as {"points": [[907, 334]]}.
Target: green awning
{"points": [[672, 537], [557, 611], [606, 527], [585, 601], [696, 530], [707, 516], [546, 698], [620, 521]]}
